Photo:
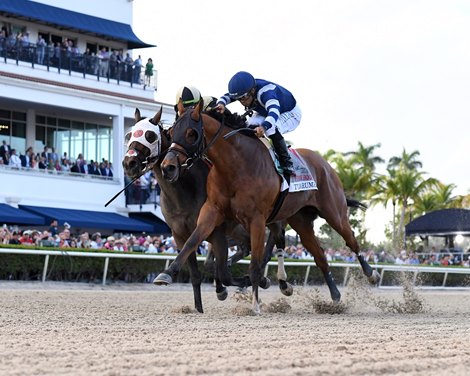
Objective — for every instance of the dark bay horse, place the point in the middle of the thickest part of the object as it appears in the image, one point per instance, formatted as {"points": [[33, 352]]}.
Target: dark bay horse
{"points": [[180, 204], [243, 186]]}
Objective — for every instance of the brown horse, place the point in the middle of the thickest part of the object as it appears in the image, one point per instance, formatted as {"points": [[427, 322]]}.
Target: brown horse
{"points": [[243, 186], [180, 204]]}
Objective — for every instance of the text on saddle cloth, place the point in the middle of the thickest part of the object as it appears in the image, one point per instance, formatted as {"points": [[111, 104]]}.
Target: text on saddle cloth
{"points": [[302, 179]]}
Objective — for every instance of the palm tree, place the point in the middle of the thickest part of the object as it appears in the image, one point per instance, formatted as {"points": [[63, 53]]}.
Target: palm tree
{"points": [[411, 184], [385, 190], [438, 196], [407, 161], [365, 157]]}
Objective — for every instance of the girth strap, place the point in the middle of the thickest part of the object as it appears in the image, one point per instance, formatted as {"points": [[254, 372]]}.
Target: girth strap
{"points": [[277, 205]]}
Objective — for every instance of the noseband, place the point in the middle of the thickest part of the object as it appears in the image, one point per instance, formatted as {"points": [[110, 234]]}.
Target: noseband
{"points": [[200, 148]]}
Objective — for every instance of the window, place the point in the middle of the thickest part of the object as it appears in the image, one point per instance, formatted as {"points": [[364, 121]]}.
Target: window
{"points": [[74, 137], [13, 129], [92, 47]]}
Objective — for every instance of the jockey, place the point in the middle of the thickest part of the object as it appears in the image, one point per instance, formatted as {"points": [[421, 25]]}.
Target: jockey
{"points": [[190, 97], [275, 111]]}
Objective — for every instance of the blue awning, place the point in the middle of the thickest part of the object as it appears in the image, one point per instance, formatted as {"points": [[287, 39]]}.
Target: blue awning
{"points": [[90, 219], [11, 215], [63, 18], [441, 223], [159, 226]]}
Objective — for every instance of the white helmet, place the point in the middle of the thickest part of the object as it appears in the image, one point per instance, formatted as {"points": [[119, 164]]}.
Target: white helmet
{"points": [[189, 96]]}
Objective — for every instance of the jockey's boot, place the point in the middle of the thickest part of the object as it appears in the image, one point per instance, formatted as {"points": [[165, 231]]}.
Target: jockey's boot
{"points": [[285, 160]]}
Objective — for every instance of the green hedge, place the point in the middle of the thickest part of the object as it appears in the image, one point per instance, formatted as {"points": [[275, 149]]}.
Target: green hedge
{"points": [[90, 269]]}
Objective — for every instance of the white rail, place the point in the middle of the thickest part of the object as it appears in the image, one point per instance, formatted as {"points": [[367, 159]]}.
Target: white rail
{"points": [[415, 269]]}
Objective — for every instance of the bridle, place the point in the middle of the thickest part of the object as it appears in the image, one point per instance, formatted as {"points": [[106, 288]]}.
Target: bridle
{"points": [[200, 148]]}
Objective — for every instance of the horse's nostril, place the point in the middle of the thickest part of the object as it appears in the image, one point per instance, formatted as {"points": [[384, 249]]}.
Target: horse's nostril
{"points": [[132, 163]]}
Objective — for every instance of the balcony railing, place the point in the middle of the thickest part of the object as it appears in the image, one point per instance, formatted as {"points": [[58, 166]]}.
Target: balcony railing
{"points": [[68, 61], [53, 173]]}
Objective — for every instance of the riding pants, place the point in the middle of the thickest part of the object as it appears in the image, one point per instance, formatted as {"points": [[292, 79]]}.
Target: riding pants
{"points": [[286, 122]]}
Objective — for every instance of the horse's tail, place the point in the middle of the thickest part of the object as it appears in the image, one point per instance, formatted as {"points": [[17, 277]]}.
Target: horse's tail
{"points": [[352, 203]]}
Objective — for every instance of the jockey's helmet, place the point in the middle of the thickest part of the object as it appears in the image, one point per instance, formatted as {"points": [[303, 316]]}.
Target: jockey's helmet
{"points": [[240, 84], [209, 103], [189, 96]]}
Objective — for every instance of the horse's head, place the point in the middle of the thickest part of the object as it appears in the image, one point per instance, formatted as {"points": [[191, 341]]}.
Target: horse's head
{"points": [[143, 144], [188, 142]]}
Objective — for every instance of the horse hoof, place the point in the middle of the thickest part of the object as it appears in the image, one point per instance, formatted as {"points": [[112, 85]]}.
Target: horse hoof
{"points": [[265, 283], [336, 298], [163, 279], [287, 291], [374, 279], [222, 295]]}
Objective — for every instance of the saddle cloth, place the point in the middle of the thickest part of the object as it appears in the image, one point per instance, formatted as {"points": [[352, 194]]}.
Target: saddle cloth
{"points": [[302, 180]]}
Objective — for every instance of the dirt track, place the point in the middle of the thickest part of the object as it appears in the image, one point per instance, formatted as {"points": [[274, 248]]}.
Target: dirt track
{"points": [[74, 329]]}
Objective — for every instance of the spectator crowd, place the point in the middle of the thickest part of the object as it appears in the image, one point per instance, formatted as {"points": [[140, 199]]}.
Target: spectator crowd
{"points": [[146, 243], [104, 62], [49, 161]]}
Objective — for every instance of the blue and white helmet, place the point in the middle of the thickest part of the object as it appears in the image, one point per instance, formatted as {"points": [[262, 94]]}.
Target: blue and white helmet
{"points": [[240, 84]]}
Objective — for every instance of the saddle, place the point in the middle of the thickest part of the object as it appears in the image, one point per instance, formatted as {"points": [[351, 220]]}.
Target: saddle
{"points": [[302, 180]]}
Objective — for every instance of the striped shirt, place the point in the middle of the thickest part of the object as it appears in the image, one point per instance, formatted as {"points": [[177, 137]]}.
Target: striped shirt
{"points": [[271, 101]]}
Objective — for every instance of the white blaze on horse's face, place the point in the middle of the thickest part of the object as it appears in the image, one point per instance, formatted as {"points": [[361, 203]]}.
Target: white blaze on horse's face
{"points": [[146, 134]]}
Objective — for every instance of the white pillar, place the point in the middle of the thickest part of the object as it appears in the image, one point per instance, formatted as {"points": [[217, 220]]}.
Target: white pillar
{"points": [[118, 150]]}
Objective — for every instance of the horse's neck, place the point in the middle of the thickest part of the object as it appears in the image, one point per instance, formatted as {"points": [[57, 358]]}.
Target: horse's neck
{"points": [[191, 187], [235, 152]]}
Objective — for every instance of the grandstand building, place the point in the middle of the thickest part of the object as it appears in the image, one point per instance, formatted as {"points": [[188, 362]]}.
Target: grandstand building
{"points": [[73, 95]]}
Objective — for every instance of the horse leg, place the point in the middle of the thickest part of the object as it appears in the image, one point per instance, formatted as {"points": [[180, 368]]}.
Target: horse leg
{"points": [[277, 238], [242, 238], [343, 228], [208, 219], [304, 226], [195, 276], [257, 228], [209, 263], [222, 273]]}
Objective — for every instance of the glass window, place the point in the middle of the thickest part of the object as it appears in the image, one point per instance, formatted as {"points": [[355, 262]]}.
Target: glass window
{"points": [[21, 116], [41, 134], [5, 129], [76, 143], [77, 125], [18, 137], [40, 141], [4, 114], [50, 137], [64, 123], [90, 141], [104, 143], [74, 138], [62, 141]]}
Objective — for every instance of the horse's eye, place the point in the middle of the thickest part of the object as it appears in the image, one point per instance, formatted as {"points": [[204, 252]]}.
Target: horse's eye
{"points": [[150, 136], [192, 136], [127, 137]]}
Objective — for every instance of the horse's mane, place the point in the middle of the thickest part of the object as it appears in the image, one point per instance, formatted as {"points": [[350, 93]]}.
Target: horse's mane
{"points": [[231, 120]]}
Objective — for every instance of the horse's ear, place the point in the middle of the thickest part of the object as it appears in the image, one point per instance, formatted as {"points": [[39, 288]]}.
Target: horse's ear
{"points": [[156, 119], [179, 107], [196, 114], [137, 116]]}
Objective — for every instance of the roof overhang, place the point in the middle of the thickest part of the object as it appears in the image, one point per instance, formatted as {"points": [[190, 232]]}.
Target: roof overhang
{"points": [[69, 20]]}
